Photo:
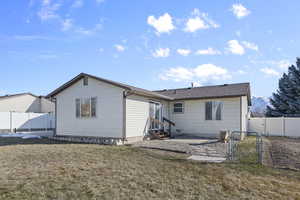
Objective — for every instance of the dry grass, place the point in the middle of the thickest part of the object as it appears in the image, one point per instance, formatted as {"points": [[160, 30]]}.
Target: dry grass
{"points": [[79, 171], [285, 152]]}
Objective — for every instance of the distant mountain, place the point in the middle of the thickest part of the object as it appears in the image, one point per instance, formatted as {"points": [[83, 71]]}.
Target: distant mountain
{"points": [[259, 105]]}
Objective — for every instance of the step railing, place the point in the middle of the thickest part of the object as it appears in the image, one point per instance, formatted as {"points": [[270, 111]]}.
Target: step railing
{"points": [[156, 124]]}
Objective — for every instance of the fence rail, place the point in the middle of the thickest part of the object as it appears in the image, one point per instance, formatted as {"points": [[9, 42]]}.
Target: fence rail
{"points": [[276, 126]]}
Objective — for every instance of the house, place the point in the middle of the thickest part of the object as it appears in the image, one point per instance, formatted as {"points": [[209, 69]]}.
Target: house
{"points": [[89, 106], [26, 102]]}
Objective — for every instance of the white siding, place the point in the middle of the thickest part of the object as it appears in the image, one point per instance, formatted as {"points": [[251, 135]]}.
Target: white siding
{"points": [[193, 122], [20, 103], [26, 103], [137, 114], [244, 113], [109, 120], [47, 106]]}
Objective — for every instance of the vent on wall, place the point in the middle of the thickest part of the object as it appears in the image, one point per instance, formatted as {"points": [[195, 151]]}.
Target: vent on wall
{"points": [[85, 81]]}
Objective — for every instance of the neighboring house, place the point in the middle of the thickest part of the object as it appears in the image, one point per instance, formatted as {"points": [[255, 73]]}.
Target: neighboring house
{"points": [[95, 107], [26, 102]]}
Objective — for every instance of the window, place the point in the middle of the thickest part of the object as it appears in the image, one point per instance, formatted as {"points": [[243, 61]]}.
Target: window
{"points": [[93, 106], [77, 107], [213, 110], [86, 107], [85, 81], [178, 107]]}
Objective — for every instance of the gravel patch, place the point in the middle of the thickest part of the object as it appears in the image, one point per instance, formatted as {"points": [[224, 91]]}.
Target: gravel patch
{"points": [[285, 152]]}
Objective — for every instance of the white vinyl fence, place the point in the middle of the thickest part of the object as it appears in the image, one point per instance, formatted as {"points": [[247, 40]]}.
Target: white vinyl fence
{"points": [[280, 126], [38, 123]]}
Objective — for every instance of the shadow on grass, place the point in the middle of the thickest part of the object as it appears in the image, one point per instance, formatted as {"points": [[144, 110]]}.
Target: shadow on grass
{"points": [[160, 154], [6, 141]]}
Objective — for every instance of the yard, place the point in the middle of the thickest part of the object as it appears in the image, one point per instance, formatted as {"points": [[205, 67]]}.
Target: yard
{"points": [[84, 171]]}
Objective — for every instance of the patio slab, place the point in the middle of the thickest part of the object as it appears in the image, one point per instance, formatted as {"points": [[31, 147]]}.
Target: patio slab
{"points": [[206, 150]]}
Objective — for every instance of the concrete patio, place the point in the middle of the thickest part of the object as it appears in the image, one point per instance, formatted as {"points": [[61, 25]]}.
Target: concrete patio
{"points": [[200, 149]]}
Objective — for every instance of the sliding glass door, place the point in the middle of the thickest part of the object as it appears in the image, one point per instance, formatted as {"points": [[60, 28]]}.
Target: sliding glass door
{"points": [[155, 114]]}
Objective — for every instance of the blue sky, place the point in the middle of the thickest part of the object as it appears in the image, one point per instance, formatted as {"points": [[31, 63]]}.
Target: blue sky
{"points": [[150, 44]]}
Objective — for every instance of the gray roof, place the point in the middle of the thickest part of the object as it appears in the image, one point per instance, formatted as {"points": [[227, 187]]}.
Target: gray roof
{"points": [[15, 95], [217, 91], [132, 89]]}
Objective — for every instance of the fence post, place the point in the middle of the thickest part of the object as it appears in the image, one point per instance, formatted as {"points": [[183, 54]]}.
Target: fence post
{"points": [[283, 126], [29, 123], [265, 126], [10, 122]]}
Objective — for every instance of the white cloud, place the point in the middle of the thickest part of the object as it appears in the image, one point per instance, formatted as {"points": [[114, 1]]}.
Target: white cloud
{"points": [[48, 10], [100, 50], [200, 74], [241, 72], [88, 32], [45, 2], [208, 72], [199, 21], [240, 11], [161, 53], [194, 24], [77, 4], [163, 24], [177, 74], [269, 71], [209, 51], [250, 45], [184, 52], [197, 84], [283, 64], [66, 24], [235, 47], [120, 48]]}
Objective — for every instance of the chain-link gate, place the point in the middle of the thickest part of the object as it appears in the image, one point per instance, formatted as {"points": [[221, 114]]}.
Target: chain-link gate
{"points": [[233, 151]]}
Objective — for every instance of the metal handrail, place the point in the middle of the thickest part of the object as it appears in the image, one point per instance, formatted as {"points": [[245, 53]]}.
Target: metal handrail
{"points": [[169, 121]]}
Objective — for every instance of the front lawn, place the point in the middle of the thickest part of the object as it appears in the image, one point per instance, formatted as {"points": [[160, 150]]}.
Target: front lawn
{"points": [[85, 171]]}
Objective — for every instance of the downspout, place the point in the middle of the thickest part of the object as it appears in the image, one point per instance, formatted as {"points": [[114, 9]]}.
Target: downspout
{"points": [[55, 117]]}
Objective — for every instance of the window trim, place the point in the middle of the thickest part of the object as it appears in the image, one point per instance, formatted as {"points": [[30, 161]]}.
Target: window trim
{"points": [[183, 107], [212, 119], [90, 102]]}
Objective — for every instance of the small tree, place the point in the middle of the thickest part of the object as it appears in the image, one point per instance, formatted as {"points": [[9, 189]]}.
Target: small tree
{"points": [[286, 101]]}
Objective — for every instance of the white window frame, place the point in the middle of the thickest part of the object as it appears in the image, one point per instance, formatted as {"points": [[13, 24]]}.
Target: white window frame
{"points": [[81, 100], [214, 118], [182, 107]]}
